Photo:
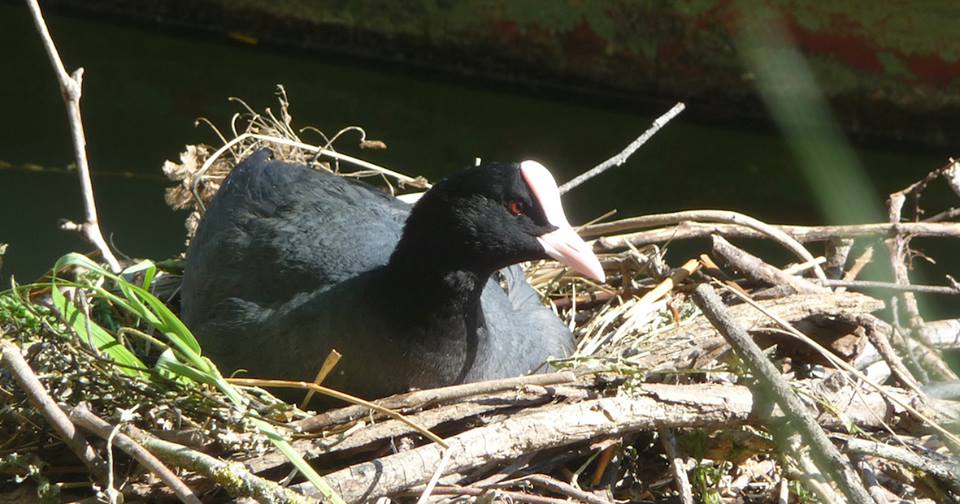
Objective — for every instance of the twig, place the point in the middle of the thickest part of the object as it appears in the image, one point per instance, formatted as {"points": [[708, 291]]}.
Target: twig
{"points": [[826, 455], [58, 419], [559, 487], [837, 251], [952, 213], [870, 284], [622, 157], [84, 418], [840, 363], [677, 465], [547, 427], [508, 496], [339, 395], [946, 472], [70, 88], [232, 476], [603, 463], [421, 398], [878, 337], [870, 479], [756, 269], [899, 247], [712, 216], [686, 230]]}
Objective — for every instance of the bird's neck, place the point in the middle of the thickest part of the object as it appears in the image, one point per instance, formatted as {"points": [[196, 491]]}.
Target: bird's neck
{"points": [[438, 285]]}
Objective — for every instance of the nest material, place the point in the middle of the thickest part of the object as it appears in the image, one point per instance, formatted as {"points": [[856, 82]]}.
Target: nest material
{"points": [[660, 399]]}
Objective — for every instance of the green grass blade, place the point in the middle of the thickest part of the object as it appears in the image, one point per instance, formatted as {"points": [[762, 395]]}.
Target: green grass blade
{"points": [[297, 460], [97, 335]]}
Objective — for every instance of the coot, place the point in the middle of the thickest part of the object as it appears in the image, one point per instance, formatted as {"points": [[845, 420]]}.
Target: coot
{"points": [[289, 262]]}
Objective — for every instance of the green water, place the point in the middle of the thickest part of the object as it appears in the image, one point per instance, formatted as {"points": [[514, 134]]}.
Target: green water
{"points": [[144, 88]]}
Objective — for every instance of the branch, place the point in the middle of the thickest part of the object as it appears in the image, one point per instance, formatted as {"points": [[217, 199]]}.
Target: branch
{"points": [[870, 284], [946, 472], [547, 427], [422, 398], [677, 465], [825, 454], [686, 229], [232, 476], [756, 269], [48, 408], [729, 217], [70, 89], [84, 418], [622, 157], [563, 424]]}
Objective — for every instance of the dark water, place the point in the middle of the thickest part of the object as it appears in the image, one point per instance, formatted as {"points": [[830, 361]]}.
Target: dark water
{"points": [[143, 89]]}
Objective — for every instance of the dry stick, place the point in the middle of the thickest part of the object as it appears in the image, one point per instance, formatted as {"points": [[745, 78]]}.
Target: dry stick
{"points": [[559, 487], [70, 88], [84, 418], [622, 157], [338, 395], [898, 246], [777, 234], [677, 465], [858, 264], [824, 453], [232, 476], [48, 408], [881, 342], [870, 479], [869, 284], [680, 229], [798, 268], [837, 252], [420, 398], [756, 269], [946, 472], [840, 363], [603, 462], [548, 427], [507, 495]]}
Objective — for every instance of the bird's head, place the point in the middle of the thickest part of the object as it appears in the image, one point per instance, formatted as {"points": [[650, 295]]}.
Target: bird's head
{"points": [[498, 214]]}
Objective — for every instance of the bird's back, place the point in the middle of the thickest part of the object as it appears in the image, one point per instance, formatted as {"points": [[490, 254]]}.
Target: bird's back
{"points": [[276, 229]]}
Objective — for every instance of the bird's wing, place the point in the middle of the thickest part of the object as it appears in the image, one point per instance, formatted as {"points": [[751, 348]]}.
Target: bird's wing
{"points": [[276, 229]]}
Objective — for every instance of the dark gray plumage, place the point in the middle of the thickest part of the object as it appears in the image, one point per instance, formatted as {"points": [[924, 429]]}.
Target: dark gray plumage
{"points": [[289, 262]]}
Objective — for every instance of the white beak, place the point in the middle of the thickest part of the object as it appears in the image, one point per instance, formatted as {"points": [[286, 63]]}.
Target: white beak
{"points": [[563, 244]]}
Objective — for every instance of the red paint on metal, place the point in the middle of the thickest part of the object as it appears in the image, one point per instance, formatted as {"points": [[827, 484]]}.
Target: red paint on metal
{"points": [[582, 44], [932, 68], [836, 41], [506, 31]]}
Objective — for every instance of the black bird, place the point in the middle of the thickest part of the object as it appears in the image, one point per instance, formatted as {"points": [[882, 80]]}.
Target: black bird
{"points": [[289, 262]]}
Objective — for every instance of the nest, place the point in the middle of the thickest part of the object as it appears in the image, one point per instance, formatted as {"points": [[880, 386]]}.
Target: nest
{"points": [[654, 406]]}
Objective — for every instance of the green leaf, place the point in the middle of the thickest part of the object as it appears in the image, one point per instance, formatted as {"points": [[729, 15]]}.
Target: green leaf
{"points": [[97, 336]]}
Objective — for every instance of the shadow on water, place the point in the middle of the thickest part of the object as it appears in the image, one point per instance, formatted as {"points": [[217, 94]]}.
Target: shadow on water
{"points": [[143, 89]]}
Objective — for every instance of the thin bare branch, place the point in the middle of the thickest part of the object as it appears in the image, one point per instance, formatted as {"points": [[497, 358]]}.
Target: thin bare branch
{"points": [[84, 418], [824, 453], [70, 88], [625, 154], [45, 404]]}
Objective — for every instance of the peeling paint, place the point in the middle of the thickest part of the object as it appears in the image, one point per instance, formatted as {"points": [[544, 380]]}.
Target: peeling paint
{"points": [[863, 52]]}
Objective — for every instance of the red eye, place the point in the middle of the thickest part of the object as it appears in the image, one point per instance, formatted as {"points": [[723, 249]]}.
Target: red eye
{"points": [[516, 208]]}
